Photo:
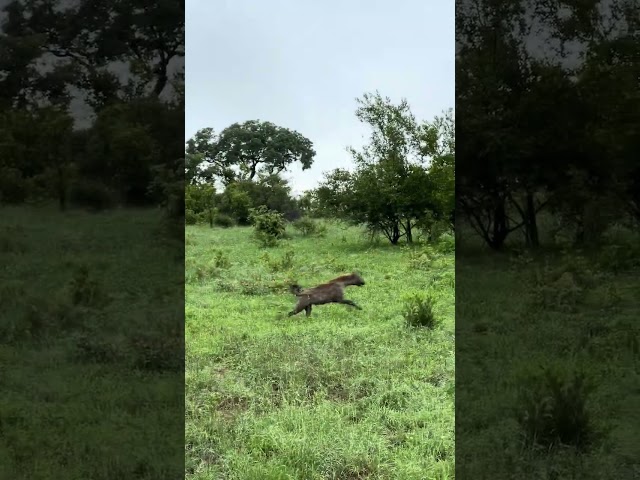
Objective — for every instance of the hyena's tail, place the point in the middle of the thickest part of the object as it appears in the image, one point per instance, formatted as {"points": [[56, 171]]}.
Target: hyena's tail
{"points": [[295, 289]]}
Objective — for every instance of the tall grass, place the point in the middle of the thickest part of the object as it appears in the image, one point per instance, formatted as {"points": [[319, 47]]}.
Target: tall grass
{"points": [[342, 394], [91, 348]]}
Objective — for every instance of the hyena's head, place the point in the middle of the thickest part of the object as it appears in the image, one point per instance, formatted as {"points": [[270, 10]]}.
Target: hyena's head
{"points": [[356, 280]]}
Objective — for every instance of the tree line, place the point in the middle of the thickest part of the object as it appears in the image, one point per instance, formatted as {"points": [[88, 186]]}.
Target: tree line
{"points": [[401, 180], [76, 129], [551, 129]]}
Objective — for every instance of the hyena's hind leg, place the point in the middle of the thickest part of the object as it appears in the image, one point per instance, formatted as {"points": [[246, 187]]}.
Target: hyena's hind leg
{"points": [[350, 302]]}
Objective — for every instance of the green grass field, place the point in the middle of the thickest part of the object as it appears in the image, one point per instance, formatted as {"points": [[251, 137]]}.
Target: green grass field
{"points": [[575, 313], [344, 394], [91, 367]]}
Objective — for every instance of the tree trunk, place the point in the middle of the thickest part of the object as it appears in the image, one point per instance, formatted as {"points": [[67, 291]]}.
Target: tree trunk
{"points": [[531, 222], [253, 171], [395, 235], [161, 82], [62, 188], [408, 231], [579, 238], [163, 77], [500, 228]]}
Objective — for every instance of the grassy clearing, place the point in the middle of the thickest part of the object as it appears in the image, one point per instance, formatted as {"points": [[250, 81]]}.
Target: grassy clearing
{"points": [[572, 314], [344, 394], [91, 366]]}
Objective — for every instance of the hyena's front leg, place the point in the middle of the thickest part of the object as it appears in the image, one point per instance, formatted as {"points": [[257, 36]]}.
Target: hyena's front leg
{"points": [[350, 302], [307, 310], [299, 307]]}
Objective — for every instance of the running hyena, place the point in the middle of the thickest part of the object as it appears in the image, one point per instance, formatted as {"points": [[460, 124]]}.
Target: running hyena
{"points": [[330, 292]]}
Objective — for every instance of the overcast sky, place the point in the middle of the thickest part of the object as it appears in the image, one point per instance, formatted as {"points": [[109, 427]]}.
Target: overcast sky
{"points": [[301, 64]]}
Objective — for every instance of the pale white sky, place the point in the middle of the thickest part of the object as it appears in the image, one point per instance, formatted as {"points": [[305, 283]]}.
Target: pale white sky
{"points": [[301, 64]]}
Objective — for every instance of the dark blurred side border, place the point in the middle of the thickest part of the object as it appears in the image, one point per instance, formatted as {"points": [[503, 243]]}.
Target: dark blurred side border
{"points": [[92, 239], [548, 245]]}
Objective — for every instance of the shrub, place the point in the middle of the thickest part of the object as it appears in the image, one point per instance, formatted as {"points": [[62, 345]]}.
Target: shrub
{"points": [[269, 226], [431, 229], [551, 410], [93, 195], [422, 259], [221, 259], [446, 244], [418, 312], [190, 218], [85, 290], [308, 227], [556, 291], [278, 264], [205, 272], [617, 258], [199, 198], [222, 220], [13, 188], [205, 217]]}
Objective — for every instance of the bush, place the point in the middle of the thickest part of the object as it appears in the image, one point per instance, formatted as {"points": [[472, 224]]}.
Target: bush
{"points": [[418, 312], [279, 264], [205, 217], [551, 410], [93, 195], [269, 226], [446, 244], [190, 218], [431, 229], [422, 259], [308, 227], [13, 188], [199, 198], [620, 254], [221, 259], [85, 290], [222, 220]]}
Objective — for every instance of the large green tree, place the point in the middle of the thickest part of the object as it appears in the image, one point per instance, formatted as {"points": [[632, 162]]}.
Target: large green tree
{"points": [[243, 150], [534, 123], [82, 40], [403, 175], [127, 142]]}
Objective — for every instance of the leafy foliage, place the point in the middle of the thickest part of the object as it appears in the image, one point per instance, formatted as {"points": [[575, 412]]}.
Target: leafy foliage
{"points": [[270, 191], [244, 150], [391, 189], [200, 198], [578, 136], [309, 228], [552, 411], [418, 312], [126, 143], [269, 226]]}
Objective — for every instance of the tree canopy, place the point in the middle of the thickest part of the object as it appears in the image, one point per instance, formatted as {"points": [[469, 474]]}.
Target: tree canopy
{"points": [[243, 150], [55, 57], [403, 176], [539, 130]]}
